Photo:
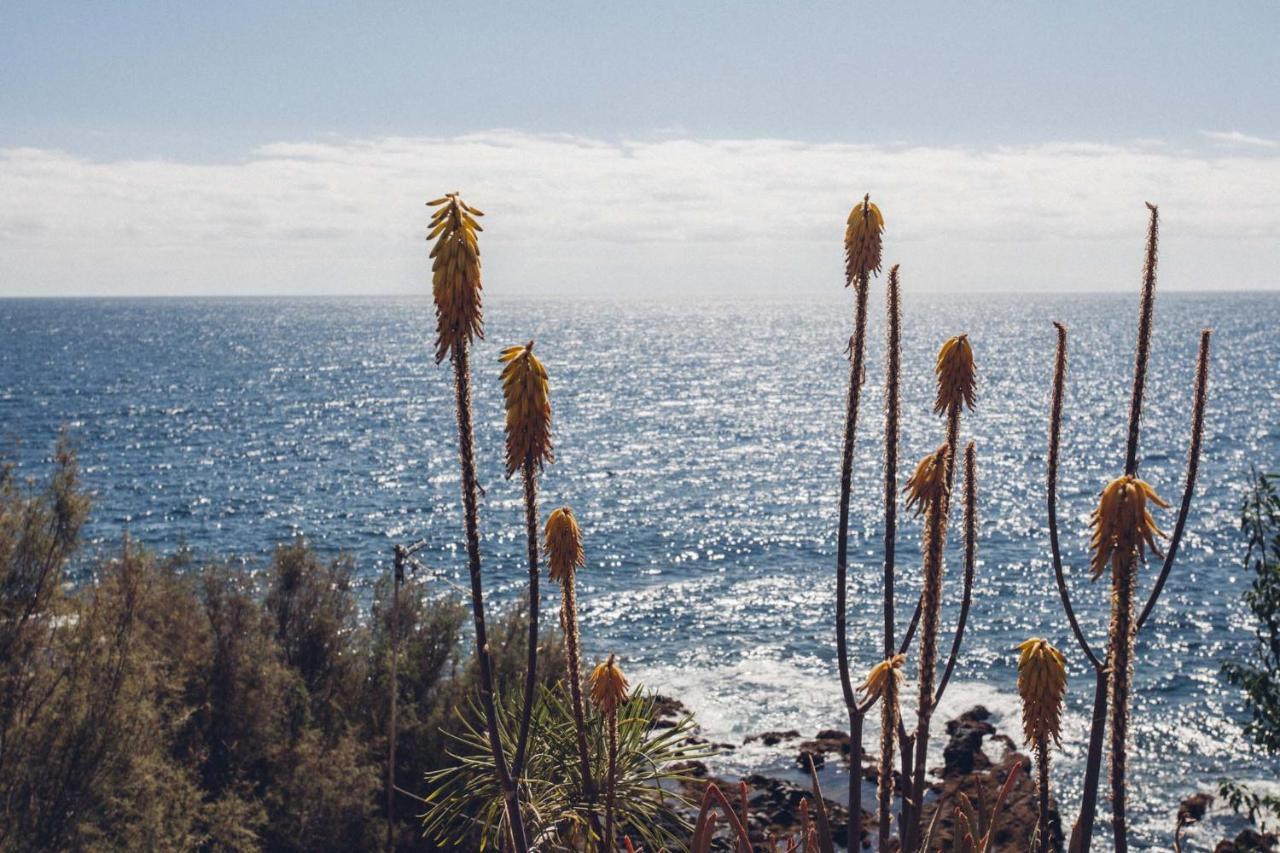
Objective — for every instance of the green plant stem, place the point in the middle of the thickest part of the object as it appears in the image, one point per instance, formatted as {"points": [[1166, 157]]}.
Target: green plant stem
{"points": [[530, 478], [471, 521]]}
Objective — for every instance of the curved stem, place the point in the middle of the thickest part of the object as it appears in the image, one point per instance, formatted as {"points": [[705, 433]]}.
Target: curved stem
{"points": [[855, 778], [1082, 834], [892, 405], [1145, 309], [471, 522], [970, 562], [857, 346], [531, 666], [1193, 467], [1051, 492]]}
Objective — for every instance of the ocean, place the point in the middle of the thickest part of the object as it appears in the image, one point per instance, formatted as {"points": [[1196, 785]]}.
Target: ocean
{"points": [[698, 441]]}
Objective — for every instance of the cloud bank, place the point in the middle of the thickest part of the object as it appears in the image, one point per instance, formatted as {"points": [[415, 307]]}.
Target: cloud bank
{"points": [[661, 216]]}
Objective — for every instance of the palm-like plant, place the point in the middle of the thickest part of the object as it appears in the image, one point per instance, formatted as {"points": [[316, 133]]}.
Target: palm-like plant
{"points": [[465, 805]]}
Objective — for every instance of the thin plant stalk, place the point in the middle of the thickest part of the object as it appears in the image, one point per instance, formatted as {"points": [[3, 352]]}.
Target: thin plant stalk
{"points": [[1123, 580], [856, 356], [935, 536], [1124, 577], [397, 580], [892, 407], [935, 523], [1042, 766], [612, 779], [471, 517], [573, 657], [1082, 833], [530, 478], [970, 563]]}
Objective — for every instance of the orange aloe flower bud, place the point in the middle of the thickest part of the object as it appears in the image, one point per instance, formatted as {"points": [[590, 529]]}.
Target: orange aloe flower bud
{"points": [[524, 387], [862, 240], [928, 484], [1042, 682], [957, 381], [877, 682], [1122, 524], [608, 686], [455, 274], [564, 544]]}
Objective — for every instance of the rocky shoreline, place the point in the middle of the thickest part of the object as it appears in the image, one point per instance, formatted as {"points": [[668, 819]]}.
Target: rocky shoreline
{"points": [[977, 760]]}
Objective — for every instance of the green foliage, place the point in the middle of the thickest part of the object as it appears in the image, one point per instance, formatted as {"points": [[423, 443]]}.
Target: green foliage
{"points": [[465, 807], [1258, 809], [164, 705], [1260, 675]]}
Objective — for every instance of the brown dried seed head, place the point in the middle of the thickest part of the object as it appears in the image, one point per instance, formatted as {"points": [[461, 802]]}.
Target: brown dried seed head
{"points": [[1042, 682], [878, 678], [862, 240], [524, 387], [928, 484], [564, 545], [455, 274], [1122, 524], [608, 686], [957, 379]]}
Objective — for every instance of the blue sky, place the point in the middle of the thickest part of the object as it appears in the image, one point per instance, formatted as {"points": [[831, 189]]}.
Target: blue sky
{"points": [[283, 146]]}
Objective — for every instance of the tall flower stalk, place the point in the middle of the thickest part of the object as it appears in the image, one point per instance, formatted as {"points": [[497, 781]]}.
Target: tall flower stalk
{"points": [[862, 243], [1121, 533], [884, 684], [608, 692], [456, 285], [927, 493], [528, 426], [1042, 682], [890, 716], [1123, 529], [564, 557]]}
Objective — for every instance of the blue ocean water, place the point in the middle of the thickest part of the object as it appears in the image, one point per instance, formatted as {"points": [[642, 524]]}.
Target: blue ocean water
{"points": [[698, 443]]}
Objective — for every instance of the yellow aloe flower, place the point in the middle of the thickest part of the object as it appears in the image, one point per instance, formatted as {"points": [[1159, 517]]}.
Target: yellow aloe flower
{"points": [[455, 274], [1042, 682], [957, 381], [608, 686], [524, 387], [862, 240], [564, 544], [878, 678], [928, 484], [1122, 524]]}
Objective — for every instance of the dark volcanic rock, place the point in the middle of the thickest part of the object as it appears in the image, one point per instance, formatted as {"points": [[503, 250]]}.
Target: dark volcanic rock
{"points": [[963, 752], [1249, 841], [773, 738], [667, 712], [826, 741], [1192, 809], [774, 809], [1017, 820]]}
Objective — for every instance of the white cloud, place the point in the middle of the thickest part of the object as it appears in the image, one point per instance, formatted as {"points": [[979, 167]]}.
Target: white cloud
{"points": [[1235, 137], [575, 214]]}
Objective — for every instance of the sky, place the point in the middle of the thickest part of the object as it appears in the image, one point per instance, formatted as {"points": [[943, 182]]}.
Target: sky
{"points": [[657, 148]]}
